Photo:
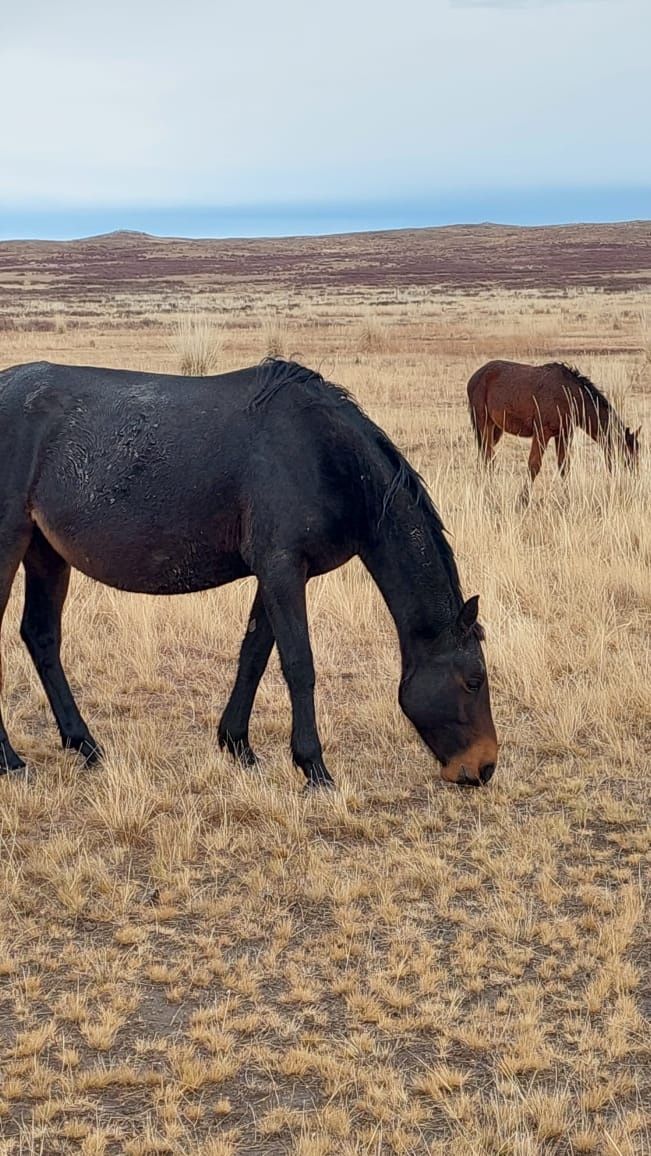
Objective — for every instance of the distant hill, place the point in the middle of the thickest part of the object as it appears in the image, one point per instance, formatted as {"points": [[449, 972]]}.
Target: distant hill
{"points": [[119, 235], [610, 256]]}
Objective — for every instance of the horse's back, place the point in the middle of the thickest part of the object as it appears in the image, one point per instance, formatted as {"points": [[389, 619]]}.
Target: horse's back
{"points": [[518, 397], [500, 370], [86, 418], [95, 384], [487, 375], [161, 484]]}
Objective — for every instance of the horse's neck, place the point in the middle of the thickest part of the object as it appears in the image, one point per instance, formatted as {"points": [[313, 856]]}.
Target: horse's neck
{"points": [[407, 565], [600, 419]]}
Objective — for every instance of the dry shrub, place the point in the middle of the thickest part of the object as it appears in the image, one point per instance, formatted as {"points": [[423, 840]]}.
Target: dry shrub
{"points": [[197, 343], [372, 336], [275, 339]]}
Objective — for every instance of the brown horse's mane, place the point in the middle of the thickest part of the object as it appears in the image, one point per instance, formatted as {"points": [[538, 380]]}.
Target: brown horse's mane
{"points": [[596, 396]]}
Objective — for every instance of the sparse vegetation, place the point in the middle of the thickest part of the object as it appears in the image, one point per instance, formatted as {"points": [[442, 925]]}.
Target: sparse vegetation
{"points": [[199, 961], [275, 338], [197, 343], [373, 337]]}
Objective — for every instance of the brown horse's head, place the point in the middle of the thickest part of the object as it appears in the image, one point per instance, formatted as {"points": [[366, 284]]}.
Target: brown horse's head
{"points": [[631, 447], [444, 693]]}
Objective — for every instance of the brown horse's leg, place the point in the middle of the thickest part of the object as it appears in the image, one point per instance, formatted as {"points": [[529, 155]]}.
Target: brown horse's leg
{"points": [[487, 434], [492, 437], [538, 446], [47, 576], [563, 442], [257, 646]]}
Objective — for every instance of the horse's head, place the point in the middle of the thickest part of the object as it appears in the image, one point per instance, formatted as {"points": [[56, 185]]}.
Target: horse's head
{"points": [[444, 692], [631, 447]]}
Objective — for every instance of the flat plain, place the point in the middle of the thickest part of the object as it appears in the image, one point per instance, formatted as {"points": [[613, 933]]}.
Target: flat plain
{"points": [[200, 961]]}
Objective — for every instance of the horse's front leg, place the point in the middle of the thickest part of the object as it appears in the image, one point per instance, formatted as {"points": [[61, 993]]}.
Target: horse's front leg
{"points": [[282, 584], [563, 442], [538, 446], [258, 642]]}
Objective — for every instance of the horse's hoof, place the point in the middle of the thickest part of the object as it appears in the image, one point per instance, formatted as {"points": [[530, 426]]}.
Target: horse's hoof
{"points": [[10, 762], [313, 785], [88, 750], [239, 749], [91, 753], [24, 773], [249, 760]]}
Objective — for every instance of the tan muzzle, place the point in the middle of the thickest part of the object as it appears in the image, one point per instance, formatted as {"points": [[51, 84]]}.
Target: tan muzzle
{"points": [[473, 767]]}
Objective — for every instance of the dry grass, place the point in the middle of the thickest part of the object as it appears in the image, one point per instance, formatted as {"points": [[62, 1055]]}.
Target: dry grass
{"points": [[197, 344], [276, 338], [195, 960]]}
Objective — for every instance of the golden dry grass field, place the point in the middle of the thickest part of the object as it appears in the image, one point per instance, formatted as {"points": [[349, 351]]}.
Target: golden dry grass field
{"points": [[200, 961]]}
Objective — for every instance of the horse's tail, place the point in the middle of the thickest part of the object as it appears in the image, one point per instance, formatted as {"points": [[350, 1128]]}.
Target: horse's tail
{"points": [[477, 404], [474, 421], [474, 411]]}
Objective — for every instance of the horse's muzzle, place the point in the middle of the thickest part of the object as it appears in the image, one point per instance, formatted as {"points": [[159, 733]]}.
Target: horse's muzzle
{"points": [[485, 775]]}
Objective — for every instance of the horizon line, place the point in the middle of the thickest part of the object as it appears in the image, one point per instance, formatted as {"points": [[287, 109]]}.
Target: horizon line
{"points": [[554, 207], [298, 236]]}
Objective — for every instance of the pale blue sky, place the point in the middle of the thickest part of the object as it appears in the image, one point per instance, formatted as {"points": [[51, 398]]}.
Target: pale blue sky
{"points": [[139, 105]]}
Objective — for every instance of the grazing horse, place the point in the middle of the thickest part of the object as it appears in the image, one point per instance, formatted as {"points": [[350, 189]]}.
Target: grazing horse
{"points": [[165, 485], [543, 402]]}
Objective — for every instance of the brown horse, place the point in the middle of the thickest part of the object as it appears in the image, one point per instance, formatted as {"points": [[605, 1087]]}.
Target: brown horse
{"points": [[543, 402]]}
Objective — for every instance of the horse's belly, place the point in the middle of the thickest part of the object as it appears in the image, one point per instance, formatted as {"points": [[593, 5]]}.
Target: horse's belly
{"points": [[511, 412], [146, 563], [522, 427]]}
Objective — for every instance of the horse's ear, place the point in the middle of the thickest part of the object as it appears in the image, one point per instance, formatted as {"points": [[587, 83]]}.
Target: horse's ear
{"points": [[468, 614]]}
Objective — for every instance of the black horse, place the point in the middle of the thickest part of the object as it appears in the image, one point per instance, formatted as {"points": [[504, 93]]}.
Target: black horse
{"points": [[166, 485]]}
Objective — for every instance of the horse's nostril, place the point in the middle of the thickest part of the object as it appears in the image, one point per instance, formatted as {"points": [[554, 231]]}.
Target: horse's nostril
{"points": [[464, 779], [486, 773]]}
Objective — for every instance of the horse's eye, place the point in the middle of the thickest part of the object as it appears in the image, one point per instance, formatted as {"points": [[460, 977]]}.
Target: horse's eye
{"points": [[474, 684]]}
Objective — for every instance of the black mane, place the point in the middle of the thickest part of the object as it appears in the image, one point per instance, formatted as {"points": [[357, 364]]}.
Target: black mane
{"points": [[596, 396], [275, 374]]}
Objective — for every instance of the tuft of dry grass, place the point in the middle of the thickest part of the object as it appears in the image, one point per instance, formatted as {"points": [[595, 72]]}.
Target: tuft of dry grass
{"points": [[275, 338], [197, 344], [372, 336]]}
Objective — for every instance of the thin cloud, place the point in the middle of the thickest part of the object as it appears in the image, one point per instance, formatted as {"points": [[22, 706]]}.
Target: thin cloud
{"points": [[520, 3]]}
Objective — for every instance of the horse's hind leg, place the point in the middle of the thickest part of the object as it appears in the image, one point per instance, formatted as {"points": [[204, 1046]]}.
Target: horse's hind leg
{"points": [[14, 540], [492, 435], [46, 584], [254, 654], [487, 434]]}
